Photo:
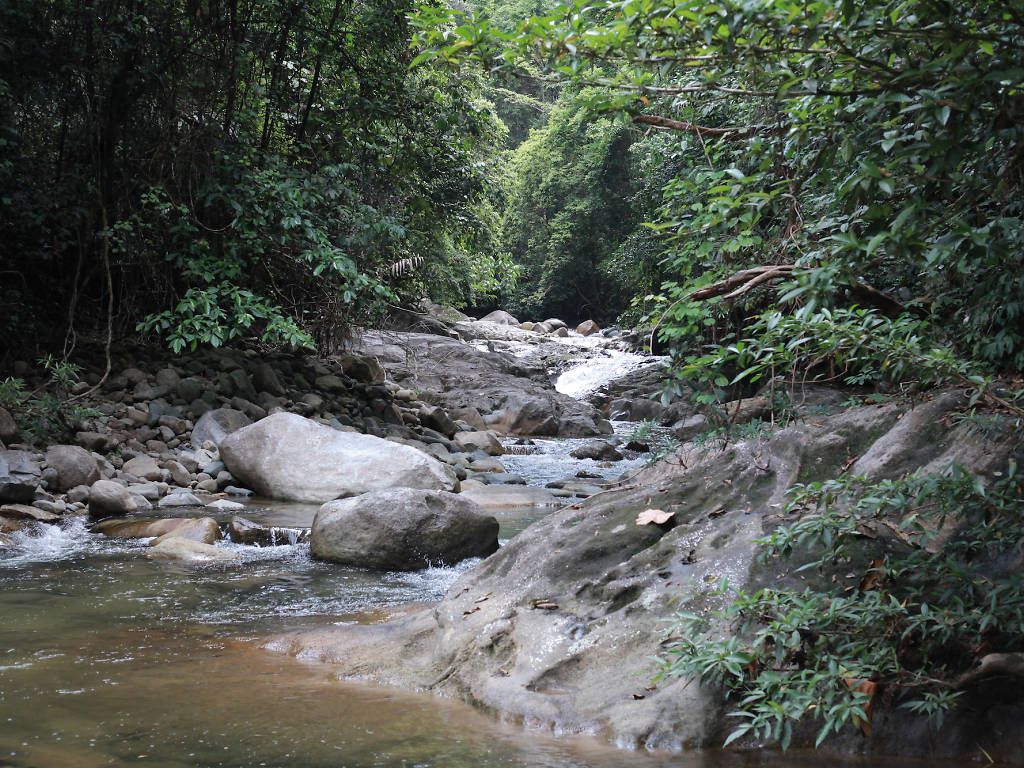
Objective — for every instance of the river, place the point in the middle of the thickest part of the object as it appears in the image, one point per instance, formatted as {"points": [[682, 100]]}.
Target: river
{"points": [[109, 659]]}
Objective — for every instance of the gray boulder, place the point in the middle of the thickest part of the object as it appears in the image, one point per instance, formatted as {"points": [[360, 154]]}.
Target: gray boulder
{"points": [[286, 456], [107, 498], [265, 379], [19, 476], [217, 424], [402, 529], [179, 499], [74, 466], [597, 450], [143, 467], [501, 317], [481, 440]]}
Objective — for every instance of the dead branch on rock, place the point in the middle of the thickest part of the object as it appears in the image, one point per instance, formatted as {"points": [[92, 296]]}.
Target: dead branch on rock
{"points": [[746, 280]]}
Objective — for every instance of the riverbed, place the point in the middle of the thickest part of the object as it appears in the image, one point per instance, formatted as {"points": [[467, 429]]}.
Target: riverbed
{"points": [[108, 658]]}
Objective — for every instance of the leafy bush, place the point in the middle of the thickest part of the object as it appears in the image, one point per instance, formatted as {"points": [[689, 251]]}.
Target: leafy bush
{"points": [[46, 414], [937, 592]]}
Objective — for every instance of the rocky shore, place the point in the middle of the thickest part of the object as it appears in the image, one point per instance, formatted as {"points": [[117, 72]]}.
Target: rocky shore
{"points": [[399, 438], [208, 428]]}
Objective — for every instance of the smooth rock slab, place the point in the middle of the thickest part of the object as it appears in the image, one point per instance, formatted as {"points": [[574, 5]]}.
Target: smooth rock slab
{"points": [[402, 529], [203, 529], [286, 456], [26, 512]]}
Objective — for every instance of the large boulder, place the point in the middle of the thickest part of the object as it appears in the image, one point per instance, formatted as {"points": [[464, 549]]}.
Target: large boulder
{"points": [[286, 456], [587, 327], [480, 440], [529, 416], [217, 424], [9, 431], [19, 476], [108, 498], [501, 317], [402, 529], [74, 466]]}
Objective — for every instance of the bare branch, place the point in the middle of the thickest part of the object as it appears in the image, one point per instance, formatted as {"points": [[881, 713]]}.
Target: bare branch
{"points": [[741, 278], [993, 664], [734, 132]]}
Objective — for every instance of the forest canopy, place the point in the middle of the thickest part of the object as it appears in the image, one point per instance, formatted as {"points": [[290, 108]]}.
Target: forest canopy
{"points": [[206, 169]]}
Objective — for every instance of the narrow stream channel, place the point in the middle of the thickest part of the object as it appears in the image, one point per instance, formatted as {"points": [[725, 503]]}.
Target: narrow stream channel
{"points": [[108, 658]]}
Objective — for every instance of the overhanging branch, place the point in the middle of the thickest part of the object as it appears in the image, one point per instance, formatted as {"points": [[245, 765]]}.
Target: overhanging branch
{"points": [[734, 132]]}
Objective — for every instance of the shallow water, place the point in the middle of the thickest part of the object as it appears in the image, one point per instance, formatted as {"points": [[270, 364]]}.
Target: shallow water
{"points": [[108, 658]]}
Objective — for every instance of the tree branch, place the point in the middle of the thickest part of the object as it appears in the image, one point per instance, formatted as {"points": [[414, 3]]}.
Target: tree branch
{"points": [[993, 664], [734, 132], [742, 279]]}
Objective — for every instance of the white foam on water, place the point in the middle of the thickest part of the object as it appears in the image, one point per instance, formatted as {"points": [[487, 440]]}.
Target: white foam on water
{"points": [[43, 543], [580, 380]]}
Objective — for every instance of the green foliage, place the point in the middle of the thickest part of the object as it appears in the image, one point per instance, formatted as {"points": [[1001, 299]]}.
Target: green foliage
{"points": [[46, 414], [662, 444], [567, 211], [275, 160], [934, 595], [871, 144]]}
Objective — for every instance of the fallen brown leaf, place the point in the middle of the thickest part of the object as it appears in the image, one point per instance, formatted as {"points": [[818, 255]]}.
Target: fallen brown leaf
{"points": [[656, 516], [874, 576]]}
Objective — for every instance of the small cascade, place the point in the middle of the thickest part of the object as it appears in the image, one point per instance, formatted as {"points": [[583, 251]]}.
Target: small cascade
{"points": [[603, 365], [590, 375]]}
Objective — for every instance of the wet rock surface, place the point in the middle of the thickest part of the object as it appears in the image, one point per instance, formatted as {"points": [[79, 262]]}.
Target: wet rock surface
{"points": [[513, 395], [402, 529], [559, 626]]}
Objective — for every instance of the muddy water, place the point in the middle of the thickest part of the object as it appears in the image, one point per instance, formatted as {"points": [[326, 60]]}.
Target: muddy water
{"points": [[110, 659]]}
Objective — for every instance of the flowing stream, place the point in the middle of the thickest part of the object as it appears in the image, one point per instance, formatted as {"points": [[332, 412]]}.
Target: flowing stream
{"points": [[108, 658]]}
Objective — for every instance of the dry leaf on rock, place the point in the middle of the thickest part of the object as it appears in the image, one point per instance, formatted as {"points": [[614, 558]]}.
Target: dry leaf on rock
{"points": [[656, 516]]}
